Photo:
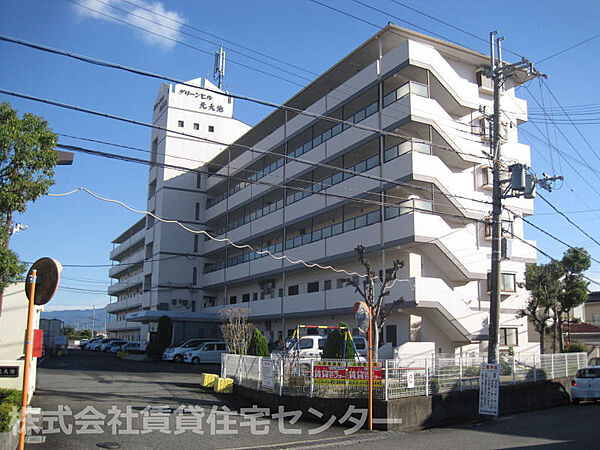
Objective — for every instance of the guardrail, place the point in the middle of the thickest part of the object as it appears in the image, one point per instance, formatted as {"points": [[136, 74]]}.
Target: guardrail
{"points": [[393, 378]]}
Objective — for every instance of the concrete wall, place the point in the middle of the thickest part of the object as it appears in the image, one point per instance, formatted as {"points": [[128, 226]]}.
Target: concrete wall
{"points": [[421, 411]]}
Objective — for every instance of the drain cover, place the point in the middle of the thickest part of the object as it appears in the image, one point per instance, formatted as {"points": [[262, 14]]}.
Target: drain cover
{"points": [[35, 439], [108, 445]]}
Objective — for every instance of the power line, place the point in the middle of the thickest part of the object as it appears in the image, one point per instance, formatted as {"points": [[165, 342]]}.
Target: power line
{"points": [[191, 35], [547, 233], [303, 161], [264, 72], [294, 66], [325, 194], [569, 48], [141, 72], [462, 30], [310, 184], [568, 219]]}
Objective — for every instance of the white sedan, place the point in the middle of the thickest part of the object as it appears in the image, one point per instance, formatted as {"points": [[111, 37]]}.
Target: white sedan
{"points": [[209, 352], [586, 384]]}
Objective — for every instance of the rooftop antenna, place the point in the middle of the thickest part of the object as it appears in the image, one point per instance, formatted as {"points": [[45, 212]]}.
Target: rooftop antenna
{"points": [[219, 68]]}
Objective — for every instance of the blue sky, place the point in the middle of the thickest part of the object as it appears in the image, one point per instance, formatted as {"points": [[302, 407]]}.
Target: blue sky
{"points": [[78, 230]]}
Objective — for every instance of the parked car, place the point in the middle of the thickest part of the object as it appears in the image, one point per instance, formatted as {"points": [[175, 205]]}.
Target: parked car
{"points": [[82, 342], [209, 352], [176, 352], [586, 384], [86, 345], [97, 346], [112, 344], [94, 344], [132, 347]]}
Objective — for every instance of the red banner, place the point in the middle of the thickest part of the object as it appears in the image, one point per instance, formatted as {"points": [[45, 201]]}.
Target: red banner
{"points": [[334, 373], [359, 373], [38, 340]]}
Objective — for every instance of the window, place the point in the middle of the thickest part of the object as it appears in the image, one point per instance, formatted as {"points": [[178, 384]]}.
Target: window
{"points": [[198, 180], [255, 297], [280, 292], [391, 335], [508, 336], [197, 215], [340, 283], [194, 276], [149, 250], [180, 123], [507, 282], [211, 129], [196, 126], [154, 150], [486, 177], [327, 285], [233, 300], [245, 298], [196, 238], [147, 282], [312, 287], [312, 331], [507, 229], [293, 290]]}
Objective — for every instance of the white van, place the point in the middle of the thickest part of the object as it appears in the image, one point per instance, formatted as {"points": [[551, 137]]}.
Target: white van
{"points": [[210, 352], [176, 352]]}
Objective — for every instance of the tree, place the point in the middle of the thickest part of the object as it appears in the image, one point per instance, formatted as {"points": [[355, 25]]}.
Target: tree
{"points": [[380, 311], [574, 287], [27, 161], [543, 283], [258, 344], [334, 345], [163, 337], [236, 330]]}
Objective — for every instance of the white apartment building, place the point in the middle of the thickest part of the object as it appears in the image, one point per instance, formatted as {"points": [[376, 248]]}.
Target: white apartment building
{"points": [[312, 189], [156, 264]]}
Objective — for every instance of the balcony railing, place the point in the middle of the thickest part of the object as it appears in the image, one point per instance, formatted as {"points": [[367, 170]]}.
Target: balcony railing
{"points": [[411, 87], [318, 186]]}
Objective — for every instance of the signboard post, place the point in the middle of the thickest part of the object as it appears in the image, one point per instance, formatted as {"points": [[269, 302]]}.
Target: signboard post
{"points": [[266, 372], [364, 320], [410, 380], [39, 292], [489, 389]]}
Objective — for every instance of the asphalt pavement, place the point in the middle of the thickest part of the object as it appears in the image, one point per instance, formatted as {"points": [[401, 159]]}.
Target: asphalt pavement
{"points": [[89, 400]]}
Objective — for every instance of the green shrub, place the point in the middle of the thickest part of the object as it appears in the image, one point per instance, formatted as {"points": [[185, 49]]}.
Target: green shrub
{"points": [[334, 345], [576, 347], [9, 398], [258, 344]]}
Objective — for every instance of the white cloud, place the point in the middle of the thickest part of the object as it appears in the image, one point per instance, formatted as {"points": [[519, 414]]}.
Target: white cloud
{"points": [[151, 16]]}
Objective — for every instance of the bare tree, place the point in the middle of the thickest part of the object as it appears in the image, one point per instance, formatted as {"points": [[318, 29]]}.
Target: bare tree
{"points": [[236, 330], [374, 299]]}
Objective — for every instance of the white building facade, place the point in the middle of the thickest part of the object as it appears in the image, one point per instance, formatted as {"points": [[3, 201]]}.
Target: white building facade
{"points": [[312, 188], [158, 265]]}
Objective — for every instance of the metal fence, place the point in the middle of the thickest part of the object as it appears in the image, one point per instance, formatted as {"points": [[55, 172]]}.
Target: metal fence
{"points": [[394, 378]]}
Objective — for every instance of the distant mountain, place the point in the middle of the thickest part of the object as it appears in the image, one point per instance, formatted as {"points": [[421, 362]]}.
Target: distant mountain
{"points": [[78, 318]]}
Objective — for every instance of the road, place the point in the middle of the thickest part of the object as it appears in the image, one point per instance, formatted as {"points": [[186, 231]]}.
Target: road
{"points": [[94, 392]]}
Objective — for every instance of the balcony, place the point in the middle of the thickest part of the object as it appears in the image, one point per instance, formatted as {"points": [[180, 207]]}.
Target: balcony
{"points": [[128, 263], [136, 239], [130, 282]]}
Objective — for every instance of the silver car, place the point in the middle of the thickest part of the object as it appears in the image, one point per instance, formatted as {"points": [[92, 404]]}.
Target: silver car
{"points": [[586, 384]]}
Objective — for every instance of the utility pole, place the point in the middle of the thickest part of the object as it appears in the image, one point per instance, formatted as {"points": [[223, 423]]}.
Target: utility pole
{"points": [[499, 73]]}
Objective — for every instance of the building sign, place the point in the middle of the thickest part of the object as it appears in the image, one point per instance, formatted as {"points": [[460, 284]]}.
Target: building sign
{"points": [[489, 389], [9, 371], [205, 101], [332, 373], [347, 373], [266, 373]]}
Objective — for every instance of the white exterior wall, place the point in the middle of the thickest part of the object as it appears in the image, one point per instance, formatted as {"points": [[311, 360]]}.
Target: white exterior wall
{"points": [[173, 193], [444, 287]]}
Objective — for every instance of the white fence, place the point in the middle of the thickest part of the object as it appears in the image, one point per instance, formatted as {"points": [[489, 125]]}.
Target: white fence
{"points": [[394, 378]]}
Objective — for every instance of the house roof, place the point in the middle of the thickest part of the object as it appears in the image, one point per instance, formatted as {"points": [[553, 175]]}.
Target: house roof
{"points": [[593, 297]]}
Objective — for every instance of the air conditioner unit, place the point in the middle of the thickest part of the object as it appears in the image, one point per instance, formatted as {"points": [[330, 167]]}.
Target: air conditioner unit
{"points": [[485, 83]]}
